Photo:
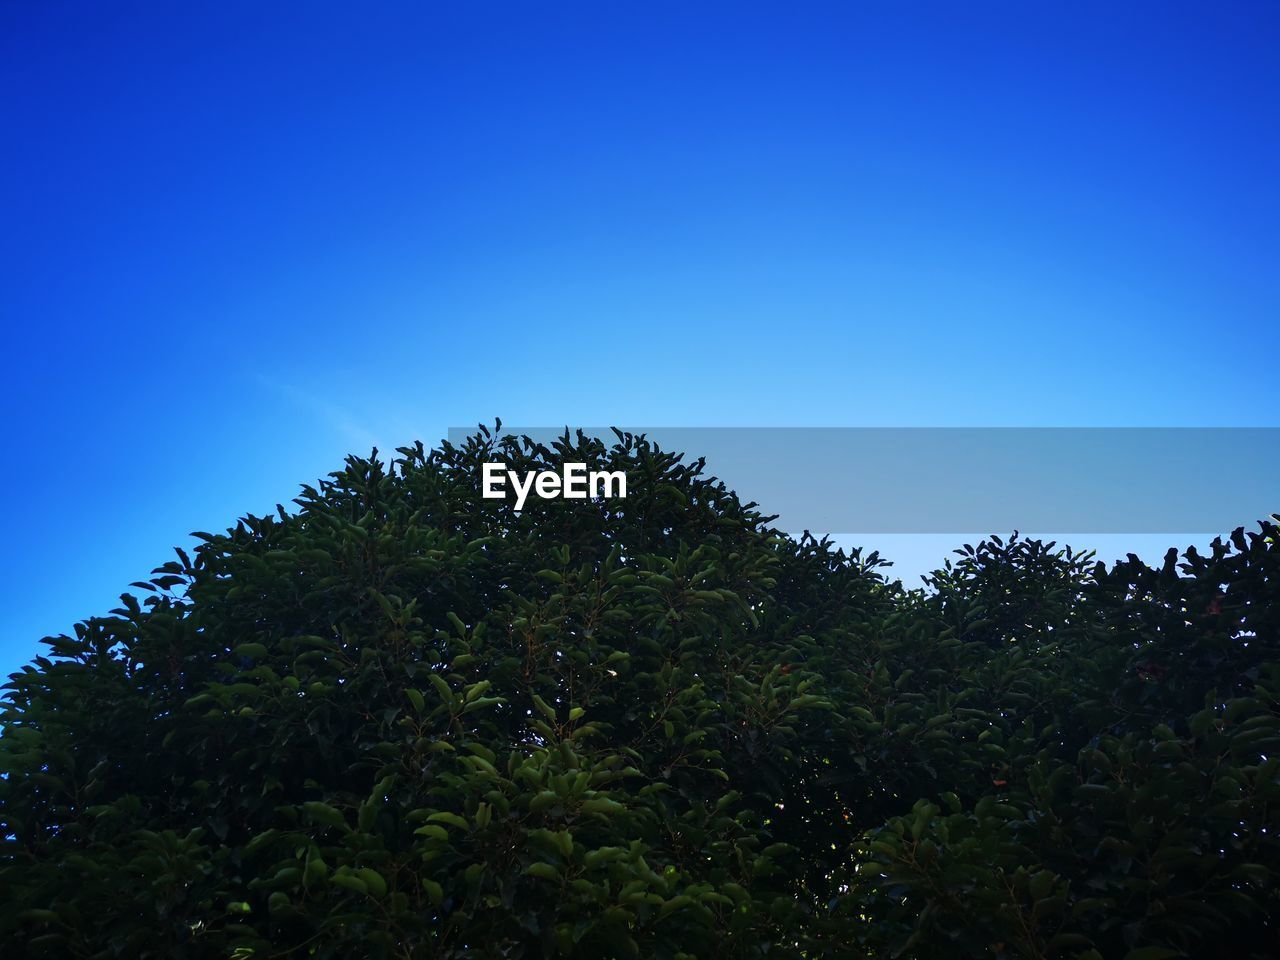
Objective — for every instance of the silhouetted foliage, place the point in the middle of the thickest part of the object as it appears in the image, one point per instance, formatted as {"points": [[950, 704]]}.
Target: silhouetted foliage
{"points": [[406, 722]]}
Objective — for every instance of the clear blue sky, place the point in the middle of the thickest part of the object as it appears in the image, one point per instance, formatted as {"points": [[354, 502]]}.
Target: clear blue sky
{"points": [[242, 241]]}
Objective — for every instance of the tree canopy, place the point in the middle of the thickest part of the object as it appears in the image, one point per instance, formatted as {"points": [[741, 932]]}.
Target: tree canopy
{"points": [[403, 721]]}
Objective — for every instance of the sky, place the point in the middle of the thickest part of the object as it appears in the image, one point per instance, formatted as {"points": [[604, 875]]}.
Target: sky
{"points": [[243, 240]]}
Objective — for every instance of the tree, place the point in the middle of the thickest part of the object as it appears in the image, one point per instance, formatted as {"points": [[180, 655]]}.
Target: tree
{"points": [[404, 721]]}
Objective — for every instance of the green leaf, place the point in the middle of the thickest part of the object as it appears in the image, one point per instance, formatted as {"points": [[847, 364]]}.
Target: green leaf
{"points": [[602, 805], [544, 871], [373, 881], [443, 689], [349, 882], [324, 814], [450, 818]]}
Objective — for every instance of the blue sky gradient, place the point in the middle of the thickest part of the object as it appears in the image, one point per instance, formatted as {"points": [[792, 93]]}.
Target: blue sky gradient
{"points": [[243, 241]]}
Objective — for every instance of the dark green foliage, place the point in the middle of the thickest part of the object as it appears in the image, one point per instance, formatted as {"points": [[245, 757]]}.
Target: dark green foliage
{"points": [[406, 722]]}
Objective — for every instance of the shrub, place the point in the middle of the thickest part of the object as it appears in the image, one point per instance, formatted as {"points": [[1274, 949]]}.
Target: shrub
{"points": [[403, 721]]}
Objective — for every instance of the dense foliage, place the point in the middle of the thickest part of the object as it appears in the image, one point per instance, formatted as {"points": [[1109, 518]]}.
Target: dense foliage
{"points": [[406, 722]]}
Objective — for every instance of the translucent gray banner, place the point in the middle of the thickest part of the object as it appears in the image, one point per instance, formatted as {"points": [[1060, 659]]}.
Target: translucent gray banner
{"points": [[836, 480]]}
